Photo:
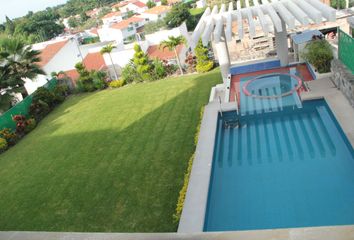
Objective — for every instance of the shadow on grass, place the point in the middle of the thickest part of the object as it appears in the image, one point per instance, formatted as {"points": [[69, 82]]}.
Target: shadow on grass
{"points": [[109, 180]]}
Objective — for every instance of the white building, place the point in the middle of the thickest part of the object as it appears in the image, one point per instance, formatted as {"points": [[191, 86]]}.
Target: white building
{"points": [[156, 13], [131, 5], [112, 17], [121, 31]]}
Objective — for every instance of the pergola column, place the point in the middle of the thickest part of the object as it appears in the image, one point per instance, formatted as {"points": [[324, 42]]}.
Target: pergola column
{"points": [[223, 56], [281, 44]]}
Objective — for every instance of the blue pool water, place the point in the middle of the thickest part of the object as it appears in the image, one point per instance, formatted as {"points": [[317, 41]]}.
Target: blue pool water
{"points": [[286, 169]]}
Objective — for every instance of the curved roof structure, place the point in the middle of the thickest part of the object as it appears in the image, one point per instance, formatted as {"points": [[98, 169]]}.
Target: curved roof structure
{"points": [[269, 15]]}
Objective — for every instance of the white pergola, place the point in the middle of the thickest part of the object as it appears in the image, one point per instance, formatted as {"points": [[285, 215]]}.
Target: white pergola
{"points": [[273, 17]]}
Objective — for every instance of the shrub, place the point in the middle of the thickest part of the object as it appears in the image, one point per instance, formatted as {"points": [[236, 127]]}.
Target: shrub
{"points": [[21, 124], [60, 92], [116, 83], [43, 94], [158, 70], [318, 52], [129, 73], [39, 110], [9, 135], [3, 144], [204, 64], [30, 125]]}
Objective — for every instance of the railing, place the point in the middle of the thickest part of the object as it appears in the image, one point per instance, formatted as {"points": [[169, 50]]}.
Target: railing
{"points": [[346, 49]]}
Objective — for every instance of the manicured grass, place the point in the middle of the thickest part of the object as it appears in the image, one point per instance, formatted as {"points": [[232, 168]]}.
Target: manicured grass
{"points": [[196, 11], [107, 161]]}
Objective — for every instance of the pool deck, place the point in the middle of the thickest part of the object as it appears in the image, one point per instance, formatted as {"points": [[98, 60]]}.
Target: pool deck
{"points": [[344, 112]]}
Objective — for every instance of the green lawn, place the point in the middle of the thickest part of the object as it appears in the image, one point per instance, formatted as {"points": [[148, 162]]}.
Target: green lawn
{"points": [[112, 160], [196, 11]]}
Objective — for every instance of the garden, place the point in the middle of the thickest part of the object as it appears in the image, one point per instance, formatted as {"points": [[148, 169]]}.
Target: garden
{"points": [[111, 160]]}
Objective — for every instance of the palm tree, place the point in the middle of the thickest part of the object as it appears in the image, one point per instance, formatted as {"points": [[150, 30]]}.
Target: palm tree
{"points": [[18, 62], [172, 44], [108, 49]]}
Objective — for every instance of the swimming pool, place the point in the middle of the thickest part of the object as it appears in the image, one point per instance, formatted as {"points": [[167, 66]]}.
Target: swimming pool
{"points": [[286, 169]]}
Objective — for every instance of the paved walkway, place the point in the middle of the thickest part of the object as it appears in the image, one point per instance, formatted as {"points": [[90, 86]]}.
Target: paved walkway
{"points": [[338, 103]]}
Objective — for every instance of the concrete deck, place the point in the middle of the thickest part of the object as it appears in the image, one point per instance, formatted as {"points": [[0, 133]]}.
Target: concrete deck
{"points": [[344, 112], [313, 233]]}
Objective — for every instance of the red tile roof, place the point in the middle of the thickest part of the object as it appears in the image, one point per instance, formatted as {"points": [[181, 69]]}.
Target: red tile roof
{"points": [[94, 31], [155, 51], [139, 4], [50, 51], [125, 23], [92, 61], [158, 10], [112, 14]]}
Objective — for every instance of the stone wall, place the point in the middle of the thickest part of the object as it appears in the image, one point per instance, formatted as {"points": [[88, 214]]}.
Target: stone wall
{"points": [[343, 79]]}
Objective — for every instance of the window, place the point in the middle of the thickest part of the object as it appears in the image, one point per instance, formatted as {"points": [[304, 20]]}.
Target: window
{"points": [[130, 29]]}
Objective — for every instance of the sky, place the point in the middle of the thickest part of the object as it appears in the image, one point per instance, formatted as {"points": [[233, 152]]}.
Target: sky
{"points": [[18, 8]]}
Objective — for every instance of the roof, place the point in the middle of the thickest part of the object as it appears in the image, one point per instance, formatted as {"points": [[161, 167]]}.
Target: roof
{"points": [[125, 23], [112, 14], [139, 4], [305, 36], [50, 51], [94, 31], [92, 61], [155, 51], [158, 10]]}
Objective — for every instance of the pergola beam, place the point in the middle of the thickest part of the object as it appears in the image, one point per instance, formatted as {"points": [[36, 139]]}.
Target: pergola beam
{"points": [[311, 11]]}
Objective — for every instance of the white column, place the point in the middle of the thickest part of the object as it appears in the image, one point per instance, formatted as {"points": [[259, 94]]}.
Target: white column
{"points": [[281, 44], [223, 56]]}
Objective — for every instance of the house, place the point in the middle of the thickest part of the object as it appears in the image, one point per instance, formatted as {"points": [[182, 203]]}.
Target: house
{"points": [[130, 6], [92, 61], [157, 2], [121, 31], [112, 17], [156, 52], [156, 13]]}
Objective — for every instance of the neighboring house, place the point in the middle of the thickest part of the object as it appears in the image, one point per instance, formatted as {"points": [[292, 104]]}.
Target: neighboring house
{"points": [[156, 13], [94, 12], [157, 37], [112, 17], [131, 5], [155, 51], [92, 61], [121, 31]]}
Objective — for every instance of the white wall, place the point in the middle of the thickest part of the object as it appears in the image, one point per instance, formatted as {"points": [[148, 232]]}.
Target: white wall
{"points": [[157, 37], [65, 59], [153, 17], [110, 34], [114, 19], [39, 81]]}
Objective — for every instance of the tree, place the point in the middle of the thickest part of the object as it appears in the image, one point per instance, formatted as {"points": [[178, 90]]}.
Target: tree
{"points": [[172, 44], [108, 49], [73, 22], [154, 26], [204, 64], [319, 53], [17, 63], [150, 4], [164, 2], [178, 14], [83, 17], [338, 4], [141, 63]]}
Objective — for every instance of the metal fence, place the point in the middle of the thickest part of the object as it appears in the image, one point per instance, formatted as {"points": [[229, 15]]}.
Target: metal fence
{"points": [[21, 108], [346, 49]]}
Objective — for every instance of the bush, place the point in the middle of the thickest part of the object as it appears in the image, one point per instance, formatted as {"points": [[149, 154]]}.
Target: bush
{"points": [[43, 94], [3, 144], [60, 92], [9, 135], [39, 110], [318, 52], [21, 124], [116, 83], [158, 70], [30, 125], [129, 73], [204, 64]]}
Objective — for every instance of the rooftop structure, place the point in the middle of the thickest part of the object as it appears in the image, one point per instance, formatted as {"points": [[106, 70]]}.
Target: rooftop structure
{"points": [[274, 17]]}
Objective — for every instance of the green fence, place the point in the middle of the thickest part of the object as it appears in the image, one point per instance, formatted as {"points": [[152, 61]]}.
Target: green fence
{"points": [[21, 108], [346, 50]]}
